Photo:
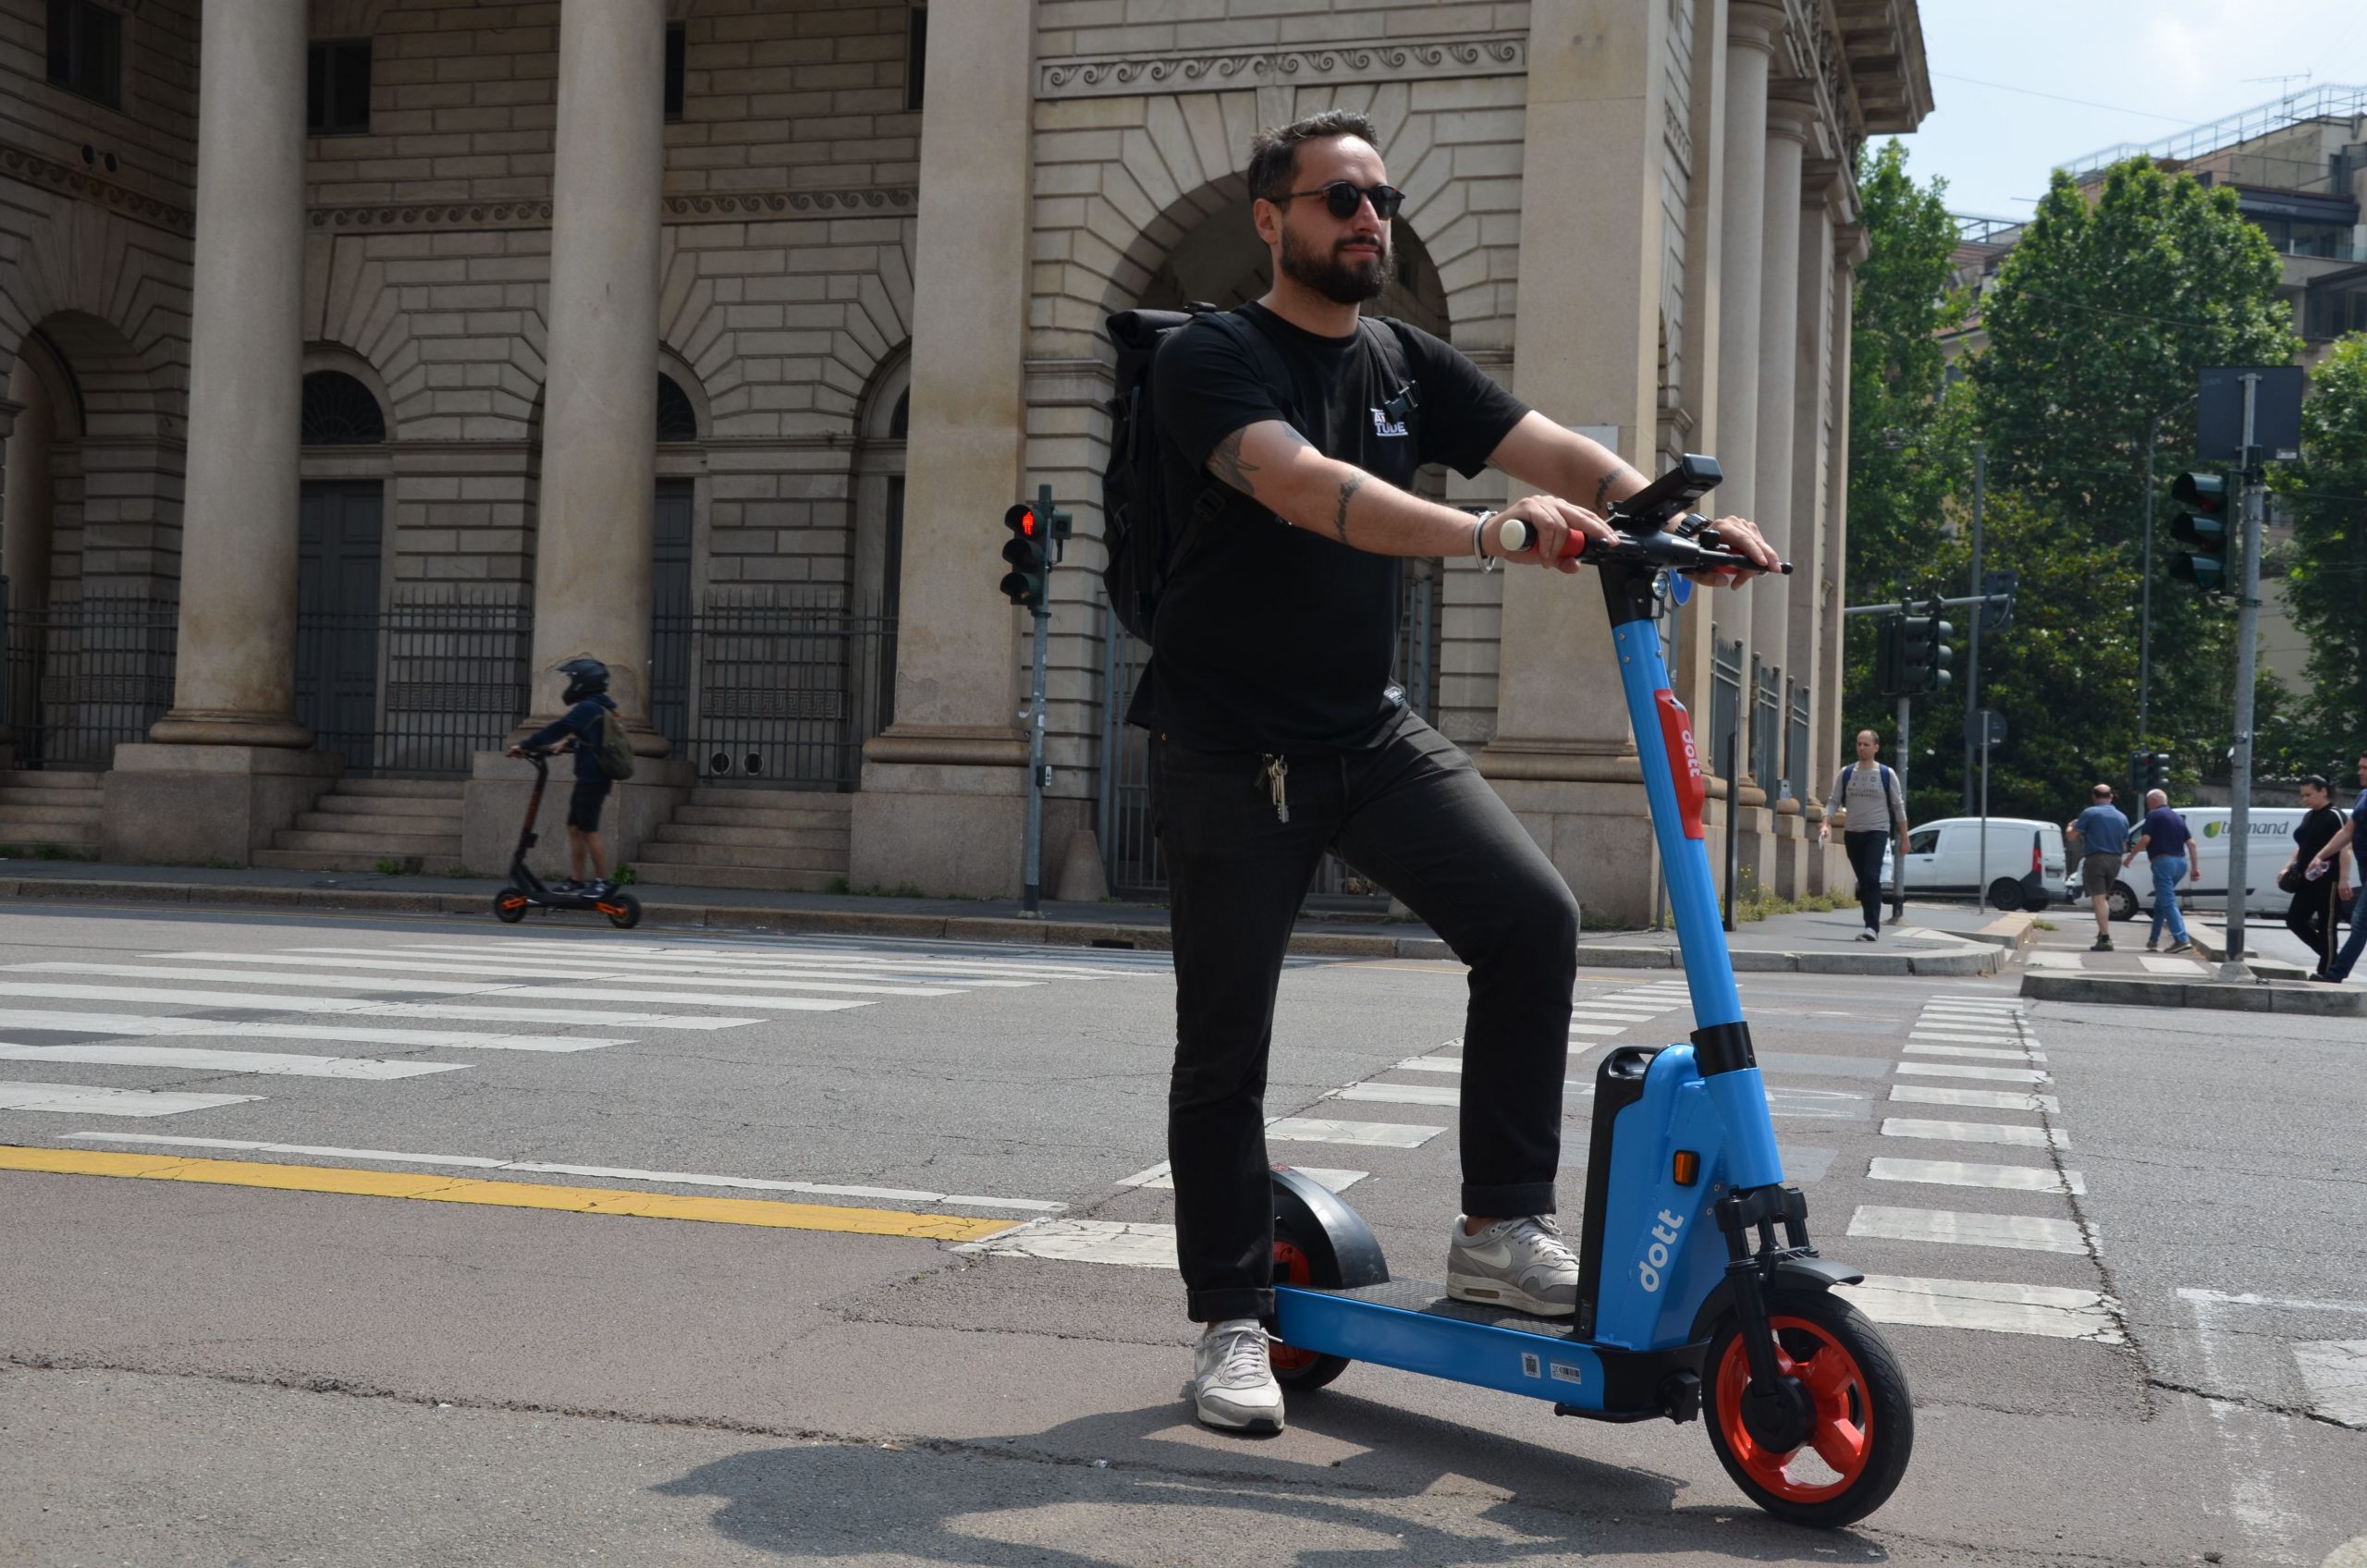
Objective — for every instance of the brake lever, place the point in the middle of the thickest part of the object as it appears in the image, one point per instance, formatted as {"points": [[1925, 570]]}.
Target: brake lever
{"points": [[1669, 551]]}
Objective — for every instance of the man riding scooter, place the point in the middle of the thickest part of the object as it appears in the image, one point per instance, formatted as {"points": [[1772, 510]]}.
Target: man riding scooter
{"points": [[589, 706]]}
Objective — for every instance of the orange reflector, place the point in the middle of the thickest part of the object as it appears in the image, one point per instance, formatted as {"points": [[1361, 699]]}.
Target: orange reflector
{"points": [[1688, 1168]]}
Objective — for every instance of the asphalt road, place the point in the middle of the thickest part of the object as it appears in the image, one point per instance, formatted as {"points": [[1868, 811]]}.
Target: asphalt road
{"points": [[663, 1265]]}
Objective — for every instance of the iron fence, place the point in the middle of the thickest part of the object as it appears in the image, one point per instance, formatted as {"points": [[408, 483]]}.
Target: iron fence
{"points": [[1726, 703], [1129, 846], [1767, 729], [84, 676], [1796, 741], [417, 688], [772, 694]]}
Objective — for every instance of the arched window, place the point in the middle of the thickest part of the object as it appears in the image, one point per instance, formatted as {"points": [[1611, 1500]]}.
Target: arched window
{"points": [[677, 421], [901, 418], [339, 411]]}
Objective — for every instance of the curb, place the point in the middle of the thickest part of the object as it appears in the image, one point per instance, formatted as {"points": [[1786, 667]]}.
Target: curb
{"points": [[2116, 990], [2210, 941], [1965, 959], [2011, 932]]}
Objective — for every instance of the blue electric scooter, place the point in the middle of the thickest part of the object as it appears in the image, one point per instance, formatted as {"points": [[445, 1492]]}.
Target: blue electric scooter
{"points": [[1687, 1295]]}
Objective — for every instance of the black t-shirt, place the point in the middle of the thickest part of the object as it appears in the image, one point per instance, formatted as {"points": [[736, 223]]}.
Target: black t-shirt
{"points": [[1272, 638], [2322, 824]]}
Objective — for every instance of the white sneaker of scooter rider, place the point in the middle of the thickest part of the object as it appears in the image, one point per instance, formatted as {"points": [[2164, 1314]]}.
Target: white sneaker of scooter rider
{"points": [[1233, 1384], [1521, 1264]]}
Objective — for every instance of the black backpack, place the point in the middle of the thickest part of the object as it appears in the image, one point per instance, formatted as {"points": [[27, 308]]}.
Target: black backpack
{"points": [[1143, 539]]}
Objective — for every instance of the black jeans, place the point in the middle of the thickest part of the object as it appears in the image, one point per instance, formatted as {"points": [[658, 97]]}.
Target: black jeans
{"points": [[1866, 860], [2313, 917], [1415, 817]]}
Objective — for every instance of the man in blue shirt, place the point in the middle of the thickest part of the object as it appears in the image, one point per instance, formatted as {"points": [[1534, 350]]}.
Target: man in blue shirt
{"points": [[2103, 833], [2163, 837], [2349, 837], [588, 704]]}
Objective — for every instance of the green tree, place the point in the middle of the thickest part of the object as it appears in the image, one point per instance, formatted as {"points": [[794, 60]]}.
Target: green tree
{"points": [[2325, 496]]}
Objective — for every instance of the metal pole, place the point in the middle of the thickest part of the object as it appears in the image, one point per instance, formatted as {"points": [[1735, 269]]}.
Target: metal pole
{"points": [[2145, 601], [1982, 875], [1733, 796], [1972, 649], [2247, 635], [1032, 871], [1898, 852]]}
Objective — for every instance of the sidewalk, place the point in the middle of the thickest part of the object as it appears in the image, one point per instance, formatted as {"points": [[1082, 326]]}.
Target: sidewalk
{"points": [[1936, 940]]}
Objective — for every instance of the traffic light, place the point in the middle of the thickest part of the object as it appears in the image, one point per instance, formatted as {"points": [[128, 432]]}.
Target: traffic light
{"points": [[1923, 650], [2157, 770], [2199, 530], [1027, 551], [1887, 678]]}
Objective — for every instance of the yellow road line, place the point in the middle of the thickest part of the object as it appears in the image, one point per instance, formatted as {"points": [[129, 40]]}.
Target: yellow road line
{"points": [[502, 1195]]}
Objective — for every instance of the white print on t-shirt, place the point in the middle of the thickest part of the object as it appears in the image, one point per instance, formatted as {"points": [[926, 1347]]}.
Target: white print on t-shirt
{"points": [[1382, 425]]}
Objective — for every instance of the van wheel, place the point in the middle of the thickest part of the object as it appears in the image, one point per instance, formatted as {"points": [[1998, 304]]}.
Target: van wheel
{"points": [[2034, 891], [2006, 894], [2123, 902]]}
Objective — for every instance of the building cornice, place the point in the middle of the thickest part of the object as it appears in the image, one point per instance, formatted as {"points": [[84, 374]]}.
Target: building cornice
{"points": [[1215, 70], [404, 217], [37, 168]]}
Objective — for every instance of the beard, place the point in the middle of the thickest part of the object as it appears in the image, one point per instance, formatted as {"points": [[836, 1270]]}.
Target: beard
{"points": [[1342, 282]]}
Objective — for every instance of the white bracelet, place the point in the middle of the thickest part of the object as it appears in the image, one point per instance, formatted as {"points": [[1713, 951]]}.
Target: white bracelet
{"points": [[1478, 541]]}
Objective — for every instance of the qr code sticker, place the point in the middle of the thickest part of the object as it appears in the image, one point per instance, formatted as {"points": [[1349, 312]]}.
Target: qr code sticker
{"points": [[1531, 1366]]}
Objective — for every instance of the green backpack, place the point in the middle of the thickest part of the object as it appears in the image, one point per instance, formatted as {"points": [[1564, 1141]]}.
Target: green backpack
{"points": [[615, 751]]}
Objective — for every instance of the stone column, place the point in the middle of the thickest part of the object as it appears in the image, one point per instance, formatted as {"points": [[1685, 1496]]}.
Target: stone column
{"points": [[943, 800], [1752, 29], [228, 766], [1789, 124], [599, 478], [1814, 393], [1834, 727], [1587, 353]]}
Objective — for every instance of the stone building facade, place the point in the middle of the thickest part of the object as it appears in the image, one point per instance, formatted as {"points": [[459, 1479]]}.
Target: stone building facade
{"points": [[363, 358]]}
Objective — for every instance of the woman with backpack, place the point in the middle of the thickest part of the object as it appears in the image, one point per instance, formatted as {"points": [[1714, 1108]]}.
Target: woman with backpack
{"points": [[1867, 803]]}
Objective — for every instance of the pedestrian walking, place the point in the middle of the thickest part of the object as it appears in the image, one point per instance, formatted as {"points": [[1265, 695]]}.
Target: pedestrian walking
{"points": [[2165, 838], [1870, 808], [2317, 892], [2103, 833], [2339, 970]]}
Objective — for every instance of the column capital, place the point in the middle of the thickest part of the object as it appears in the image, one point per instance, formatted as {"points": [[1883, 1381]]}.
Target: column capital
{"points": [[1793, 118], [1849, 244], [1754, 24], [1827, 183]]}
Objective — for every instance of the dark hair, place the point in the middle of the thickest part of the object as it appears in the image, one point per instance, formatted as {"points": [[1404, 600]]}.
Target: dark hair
{"points": [[2317, 782], [1273, 152]]}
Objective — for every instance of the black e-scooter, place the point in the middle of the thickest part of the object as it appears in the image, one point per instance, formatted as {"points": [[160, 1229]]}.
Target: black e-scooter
{"points": [[527, 891]]}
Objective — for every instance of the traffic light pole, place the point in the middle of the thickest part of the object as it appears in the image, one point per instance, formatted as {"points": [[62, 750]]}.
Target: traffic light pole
{"points": [[2247, 635], [1031, 862], [1899, 855], [1972, 648]]}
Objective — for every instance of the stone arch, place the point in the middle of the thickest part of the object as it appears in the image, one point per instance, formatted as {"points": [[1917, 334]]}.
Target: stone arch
{"points": [[350, 301], [879, 491], [332, 359], [672, 367], [114, 304]]}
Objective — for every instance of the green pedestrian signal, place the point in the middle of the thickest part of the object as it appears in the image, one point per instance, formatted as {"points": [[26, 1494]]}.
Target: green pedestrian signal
{"points": [[1027, 553], [2199, 530]]}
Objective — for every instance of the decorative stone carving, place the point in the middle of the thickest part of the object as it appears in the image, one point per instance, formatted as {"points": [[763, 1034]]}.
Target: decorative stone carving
{"points": [[20, 162], [408, 216], [1212, 71]]}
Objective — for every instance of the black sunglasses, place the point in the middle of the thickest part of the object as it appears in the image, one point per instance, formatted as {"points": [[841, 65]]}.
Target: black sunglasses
{"points": [[1342, 198]]}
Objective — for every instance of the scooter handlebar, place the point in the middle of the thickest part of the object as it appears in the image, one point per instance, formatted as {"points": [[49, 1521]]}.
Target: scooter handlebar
{"points": [[1672, 552]]}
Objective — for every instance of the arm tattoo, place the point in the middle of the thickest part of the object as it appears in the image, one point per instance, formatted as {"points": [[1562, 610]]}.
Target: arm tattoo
{"points": [[1227, 463], [1603, 485], [1348, 487]]}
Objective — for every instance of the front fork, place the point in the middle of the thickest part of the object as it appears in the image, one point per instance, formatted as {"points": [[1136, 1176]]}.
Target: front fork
{"points": [[1777, 1414]]}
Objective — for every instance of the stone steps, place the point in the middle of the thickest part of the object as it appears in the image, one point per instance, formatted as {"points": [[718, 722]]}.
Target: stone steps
{"points": [[415, 823], [786, 840], [59, 811]]}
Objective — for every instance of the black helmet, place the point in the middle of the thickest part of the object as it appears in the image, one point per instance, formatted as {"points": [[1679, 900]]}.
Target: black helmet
{"points": [[584, 677]]}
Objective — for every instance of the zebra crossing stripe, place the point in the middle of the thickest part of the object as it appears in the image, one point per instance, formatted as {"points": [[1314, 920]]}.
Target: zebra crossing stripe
{"points": [[1984, 1099], [786, 979], [356, 1007], [2051, 1311], [601, 947], [1161, 1177], [34, 1021], [1975, 1132], [1325, 1130], [1130, 1244], [1598, 1028], [2335, 1371], [1985, 1075], [469, 988], [195, 1058], [78, 1099], [1984, 1053], [768, 1213], [1398, 1094], [547, 1168], [1951, 1226], [1959, 1174]]}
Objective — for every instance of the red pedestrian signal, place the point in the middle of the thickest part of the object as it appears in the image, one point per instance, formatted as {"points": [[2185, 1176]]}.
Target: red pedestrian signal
{"points": [[1025, 553]]}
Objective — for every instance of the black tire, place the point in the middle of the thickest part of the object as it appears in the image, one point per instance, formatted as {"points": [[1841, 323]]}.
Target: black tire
{"points": [[2006, 894], [2122, 902], [1299, 1370], [623, 911], [2034, 892], [1864, 1392], [510, 906]]}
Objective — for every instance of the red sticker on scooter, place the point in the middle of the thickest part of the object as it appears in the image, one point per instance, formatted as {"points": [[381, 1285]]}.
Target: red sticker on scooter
{"points": [[1684, 762]]}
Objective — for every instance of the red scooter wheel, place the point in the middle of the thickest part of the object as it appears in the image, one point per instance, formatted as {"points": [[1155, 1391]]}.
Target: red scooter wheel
{"points": [[1863, 1427], [1294, 1367], [510, 906]]}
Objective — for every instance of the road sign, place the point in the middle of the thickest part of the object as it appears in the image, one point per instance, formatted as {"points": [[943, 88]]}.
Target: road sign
{"points": [[2277, 414], [1995, 723]]}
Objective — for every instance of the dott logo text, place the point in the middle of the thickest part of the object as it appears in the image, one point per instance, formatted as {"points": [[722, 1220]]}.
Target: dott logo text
{"points": [[1647, 1272]]}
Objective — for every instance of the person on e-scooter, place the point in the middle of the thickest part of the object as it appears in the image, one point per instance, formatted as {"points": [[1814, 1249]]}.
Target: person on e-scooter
{"points": [[588, 704], [1276, 735]]}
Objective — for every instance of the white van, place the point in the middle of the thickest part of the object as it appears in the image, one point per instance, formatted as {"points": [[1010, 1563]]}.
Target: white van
{"points": [[1945, 859], [2272, 835]]}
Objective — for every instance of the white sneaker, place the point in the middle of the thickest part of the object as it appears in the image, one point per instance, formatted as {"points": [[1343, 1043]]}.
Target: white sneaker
{"points": [[1232, 1382], [1521, 1264], [1869, 935]]}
